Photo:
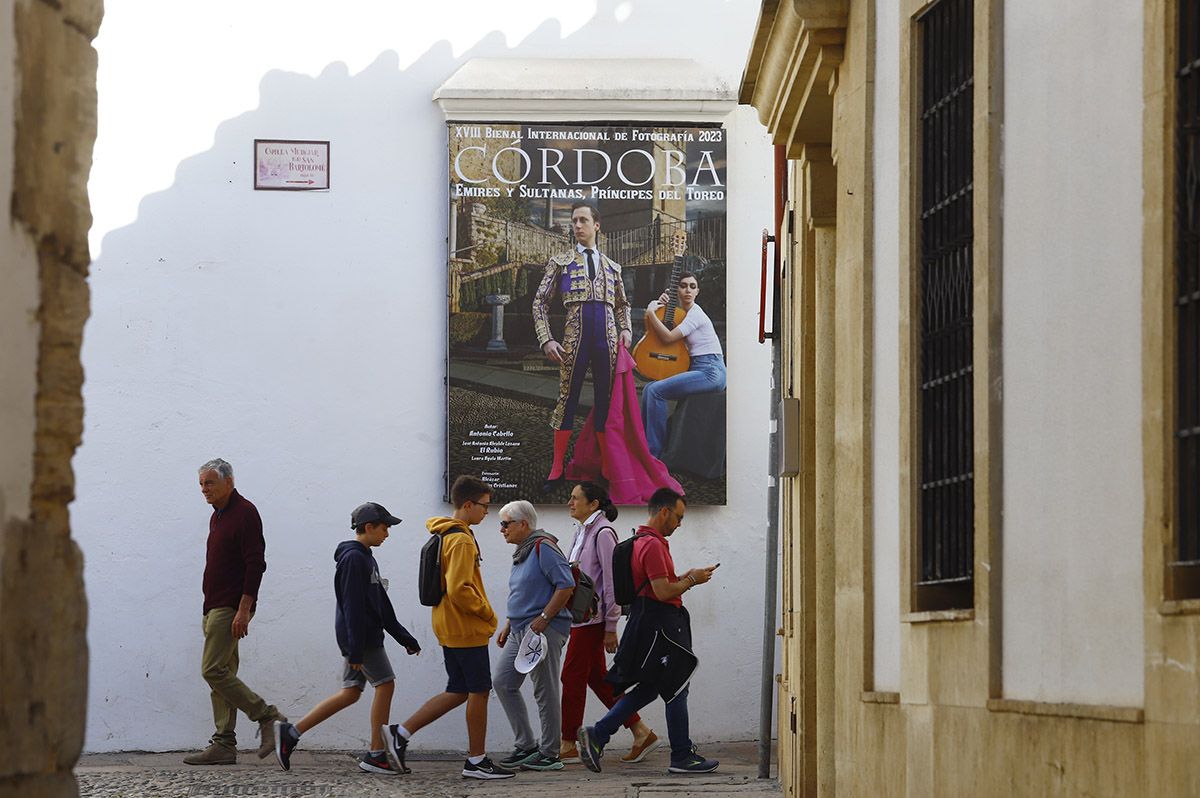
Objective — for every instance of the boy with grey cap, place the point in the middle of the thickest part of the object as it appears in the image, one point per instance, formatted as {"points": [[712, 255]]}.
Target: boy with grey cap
{"points": [[364, 613]]}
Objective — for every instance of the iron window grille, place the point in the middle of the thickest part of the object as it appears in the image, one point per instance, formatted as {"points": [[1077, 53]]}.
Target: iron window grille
{"points": [[1185, 570], [946, 498]]}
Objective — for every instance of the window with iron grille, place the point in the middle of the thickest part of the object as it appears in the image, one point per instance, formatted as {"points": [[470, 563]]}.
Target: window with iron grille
{"points": [[946, 460], [1185, 569]]}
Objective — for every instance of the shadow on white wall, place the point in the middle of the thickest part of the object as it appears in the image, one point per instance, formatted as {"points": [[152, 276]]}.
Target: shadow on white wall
{"points": [[301, 337]]}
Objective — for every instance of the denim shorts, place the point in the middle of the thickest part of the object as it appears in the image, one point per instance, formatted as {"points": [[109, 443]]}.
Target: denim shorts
{"points": [[376, 668], [468, 669]]}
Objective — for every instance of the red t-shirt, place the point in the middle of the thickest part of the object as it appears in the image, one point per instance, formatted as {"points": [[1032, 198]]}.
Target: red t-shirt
{"points": [[652, 560]]}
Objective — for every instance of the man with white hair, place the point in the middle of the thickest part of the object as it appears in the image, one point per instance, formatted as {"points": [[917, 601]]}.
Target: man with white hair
{"points": [[233, 571], [539, 588]]}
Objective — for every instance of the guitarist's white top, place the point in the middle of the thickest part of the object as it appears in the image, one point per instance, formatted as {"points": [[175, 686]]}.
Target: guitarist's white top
{"points": [[699, 333]]}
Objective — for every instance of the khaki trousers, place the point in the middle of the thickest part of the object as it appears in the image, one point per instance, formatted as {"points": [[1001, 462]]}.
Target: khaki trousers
{"points": [[219, 666]]}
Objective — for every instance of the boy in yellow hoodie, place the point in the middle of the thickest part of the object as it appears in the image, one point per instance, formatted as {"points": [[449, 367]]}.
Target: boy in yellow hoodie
{"points": [[463, 622]]}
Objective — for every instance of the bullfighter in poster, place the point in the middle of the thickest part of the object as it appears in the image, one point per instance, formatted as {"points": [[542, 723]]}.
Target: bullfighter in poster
{"points": [[597, 321]]}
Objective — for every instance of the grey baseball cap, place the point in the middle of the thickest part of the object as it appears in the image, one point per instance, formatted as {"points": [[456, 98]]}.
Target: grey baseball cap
{"points": [[371, 513]]}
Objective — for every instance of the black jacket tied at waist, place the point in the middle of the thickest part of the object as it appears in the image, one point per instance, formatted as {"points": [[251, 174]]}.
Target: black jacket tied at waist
{"points": [[656, 648]]}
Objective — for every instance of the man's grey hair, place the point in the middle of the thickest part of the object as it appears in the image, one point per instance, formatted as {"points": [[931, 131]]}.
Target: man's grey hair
{"points": [[224, 470], [520, 510]]}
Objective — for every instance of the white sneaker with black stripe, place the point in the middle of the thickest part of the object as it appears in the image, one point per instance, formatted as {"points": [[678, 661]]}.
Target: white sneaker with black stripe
{"points": [[487, 769]]}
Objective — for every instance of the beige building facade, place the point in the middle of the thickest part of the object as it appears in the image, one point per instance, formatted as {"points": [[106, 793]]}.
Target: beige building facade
{"points": [[988, 263]]}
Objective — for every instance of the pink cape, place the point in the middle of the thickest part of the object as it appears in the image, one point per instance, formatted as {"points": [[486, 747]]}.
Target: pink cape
{"points": [[633, 473]]}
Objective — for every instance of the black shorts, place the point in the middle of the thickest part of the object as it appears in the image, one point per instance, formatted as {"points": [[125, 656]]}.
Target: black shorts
{"points": [[468, 669]]}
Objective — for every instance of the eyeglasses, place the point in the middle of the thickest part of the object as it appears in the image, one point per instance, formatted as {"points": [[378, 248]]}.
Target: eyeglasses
{"points": [[484, 505], [504, 524]]}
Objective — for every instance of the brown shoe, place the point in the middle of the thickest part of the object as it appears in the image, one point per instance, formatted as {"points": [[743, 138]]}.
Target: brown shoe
{"points": [[639, 751], [266, 735], [215, 754], [568, 754]]}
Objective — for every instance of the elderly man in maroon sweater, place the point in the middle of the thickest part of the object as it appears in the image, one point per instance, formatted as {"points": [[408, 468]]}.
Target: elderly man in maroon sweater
{"points": [[232, 573]]}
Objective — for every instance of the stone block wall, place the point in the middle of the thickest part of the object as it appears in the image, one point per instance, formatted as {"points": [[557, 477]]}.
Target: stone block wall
{"points": [[51, 124]]}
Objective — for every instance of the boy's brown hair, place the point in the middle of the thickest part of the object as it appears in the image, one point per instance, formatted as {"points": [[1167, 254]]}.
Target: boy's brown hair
{"points": [[468, 489]]}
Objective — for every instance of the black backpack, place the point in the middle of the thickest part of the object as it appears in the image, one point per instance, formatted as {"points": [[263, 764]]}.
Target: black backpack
{"points": [[584, 603], [430, 582], [624, 590]]}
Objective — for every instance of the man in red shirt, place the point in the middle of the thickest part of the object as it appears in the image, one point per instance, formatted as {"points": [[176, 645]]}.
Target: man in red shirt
{"points": [[233, 571], [656, 647]]}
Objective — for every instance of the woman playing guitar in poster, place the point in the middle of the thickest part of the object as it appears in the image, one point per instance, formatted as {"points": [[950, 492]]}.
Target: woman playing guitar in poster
{"points": [[705, 373], [654, 357]]}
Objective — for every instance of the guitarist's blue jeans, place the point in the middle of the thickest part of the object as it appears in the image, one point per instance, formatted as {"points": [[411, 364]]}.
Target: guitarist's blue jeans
{"points": [[706, 375]]}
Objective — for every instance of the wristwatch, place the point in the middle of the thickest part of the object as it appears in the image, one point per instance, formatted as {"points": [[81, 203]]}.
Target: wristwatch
{"points": [[543, 614]]}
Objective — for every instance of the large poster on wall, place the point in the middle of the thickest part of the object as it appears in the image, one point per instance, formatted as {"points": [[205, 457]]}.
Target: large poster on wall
{"points": [[587, 309]]}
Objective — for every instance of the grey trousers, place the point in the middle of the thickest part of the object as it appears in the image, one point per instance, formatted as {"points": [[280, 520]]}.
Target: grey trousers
{"points": [[507, 681]]}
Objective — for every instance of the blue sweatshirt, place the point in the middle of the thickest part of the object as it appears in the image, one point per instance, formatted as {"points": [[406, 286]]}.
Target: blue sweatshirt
{"points": [[539, 569], [364, 611]]}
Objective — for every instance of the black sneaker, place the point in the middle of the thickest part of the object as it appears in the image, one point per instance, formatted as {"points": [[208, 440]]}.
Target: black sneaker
{"points": [[487, 769], [286, 740], [518, 757], [589, 752], [376, 763], [693, 763], [542, 762], [395, 744]]}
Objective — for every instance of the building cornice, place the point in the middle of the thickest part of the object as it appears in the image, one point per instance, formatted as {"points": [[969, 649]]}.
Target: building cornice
{"points": [[791, 73], [559, 89]]}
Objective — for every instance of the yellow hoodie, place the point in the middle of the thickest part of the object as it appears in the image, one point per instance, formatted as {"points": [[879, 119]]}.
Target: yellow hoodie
{"points": [[463, 618]]}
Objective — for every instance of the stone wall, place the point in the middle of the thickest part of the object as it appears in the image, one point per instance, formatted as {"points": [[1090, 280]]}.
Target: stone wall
{"points": [[43, 662]]}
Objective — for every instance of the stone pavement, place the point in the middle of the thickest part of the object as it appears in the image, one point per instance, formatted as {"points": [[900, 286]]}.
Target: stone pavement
{"points": [[324, 774]]}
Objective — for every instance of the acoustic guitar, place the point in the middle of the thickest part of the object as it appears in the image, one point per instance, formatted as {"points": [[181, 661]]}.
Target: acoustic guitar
{"points": [[654, 358]]}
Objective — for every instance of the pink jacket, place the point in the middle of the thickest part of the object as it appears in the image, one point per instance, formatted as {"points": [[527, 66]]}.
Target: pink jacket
{"points": [[633, 473], [595, 560]]}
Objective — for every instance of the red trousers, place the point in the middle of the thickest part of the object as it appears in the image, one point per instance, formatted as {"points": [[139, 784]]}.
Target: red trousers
{"points": [[585, 667]]}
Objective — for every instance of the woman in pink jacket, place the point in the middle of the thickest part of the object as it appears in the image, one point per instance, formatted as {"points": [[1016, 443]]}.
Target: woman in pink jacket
{"points": [[584, 666]]}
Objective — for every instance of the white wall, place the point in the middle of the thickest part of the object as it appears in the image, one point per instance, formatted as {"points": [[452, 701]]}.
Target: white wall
{"points": [[301, 336], [886, 351], [19, 301], [1072, 568]]}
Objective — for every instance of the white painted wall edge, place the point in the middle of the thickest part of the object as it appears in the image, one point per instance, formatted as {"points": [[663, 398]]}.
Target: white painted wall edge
{"points": [[591, 78], [563, 89], [585, 110]]}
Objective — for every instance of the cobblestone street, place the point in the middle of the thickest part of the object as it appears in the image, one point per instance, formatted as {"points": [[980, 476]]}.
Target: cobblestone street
{"points": [[336, 774]]}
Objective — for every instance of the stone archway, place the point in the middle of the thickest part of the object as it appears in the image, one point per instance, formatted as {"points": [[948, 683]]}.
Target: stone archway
{"points": [[48, 105]]}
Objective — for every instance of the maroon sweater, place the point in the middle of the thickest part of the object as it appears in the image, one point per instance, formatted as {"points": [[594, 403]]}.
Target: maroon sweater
{"points": [[236, 549]]}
